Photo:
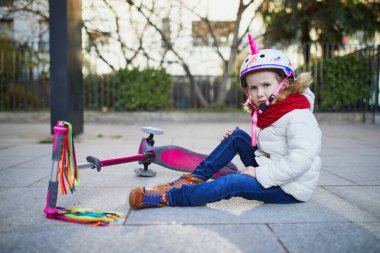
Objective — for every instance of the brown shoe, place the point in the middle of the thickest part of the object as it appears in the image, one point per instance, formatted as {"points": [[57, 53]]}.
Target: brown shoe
{"points": [[141, 197], [187, 179]]}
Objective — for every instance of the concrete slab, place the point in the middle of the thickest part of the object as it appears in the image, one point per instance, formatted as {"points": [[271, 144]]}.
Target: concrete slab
{"points": [[19, 154], [21, 134], [342, 216], [5, 146], [343, 207], [162, 238], [360, 175], [336, 237], [349, 134], [373, 227], [364, 197], [232, 211], [24, 205], [15, 177], [327, 178], [351, 158]]}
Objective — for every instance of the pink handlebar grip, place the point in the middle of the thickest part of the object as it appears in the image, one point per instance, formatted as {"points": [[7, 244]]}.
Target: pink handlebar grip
{"points": [[58, 131]]}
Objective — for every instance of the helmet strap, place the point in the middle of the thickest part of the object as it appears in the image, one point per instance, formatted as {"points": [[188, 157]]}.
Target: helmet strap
{"points": [[263, 107]]}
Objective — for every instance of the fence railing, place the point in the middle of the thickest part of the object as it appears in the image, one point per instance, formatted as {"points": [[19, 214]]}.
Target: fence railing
{"points": [[345, 79], [24, 76], [24, 81]]}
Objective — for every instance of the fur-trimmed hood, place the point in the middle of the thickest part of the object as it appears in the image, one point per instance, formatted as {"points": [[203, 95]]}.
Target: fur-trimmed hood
{"points": [[310, 97]]}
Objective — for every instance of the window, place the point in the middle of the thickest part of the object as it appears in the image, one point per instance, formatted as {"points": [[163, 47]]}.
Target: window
{"points": [[6, 3], [166, 31], [6, 28], [96, 36], [221, 29]]}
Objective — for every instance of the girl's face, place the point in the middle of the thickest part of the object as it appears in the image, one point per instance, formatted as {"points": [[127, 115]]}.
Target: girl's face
{"points": [[261, 84]]}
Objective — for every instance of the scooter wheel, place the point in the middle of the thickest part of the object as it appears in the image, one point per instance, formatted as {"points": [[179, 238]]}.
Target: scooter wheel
{"points": [[145, 173], [152, 130]]}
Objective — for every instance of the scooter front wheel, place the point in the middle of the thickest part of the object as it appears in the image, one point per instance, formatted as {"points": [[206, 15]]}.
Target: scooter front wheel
{"points": [[145, 173]]}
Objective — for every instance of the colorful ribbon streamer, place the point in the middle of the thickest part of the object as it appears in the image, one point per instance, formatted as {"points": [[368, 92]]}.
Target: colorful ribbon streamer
{"points": [[68, 174], [85, 216], [67, 167]]}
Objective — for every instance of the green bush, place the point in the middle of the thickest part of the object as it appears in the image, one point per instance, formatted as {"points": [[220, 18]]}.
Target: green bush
{"points": [[341, 83], [148, 89], [20, 98], [129, 89]]}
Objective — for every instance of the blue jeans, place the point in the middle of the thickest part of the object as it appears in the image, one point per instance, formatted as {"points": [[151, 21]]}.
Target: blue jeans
{"points": [[233, 185]]}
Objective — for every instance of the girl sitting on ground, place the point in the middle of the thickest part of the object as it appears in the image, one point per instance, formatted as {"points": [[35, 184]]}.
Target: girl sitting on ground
{"points": [[281, 157]]}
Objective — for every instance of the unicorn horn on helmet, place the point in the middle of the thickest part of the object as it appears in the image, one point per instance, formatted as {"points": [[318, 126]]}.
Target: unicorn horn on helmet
{"points": [[252, 44]]}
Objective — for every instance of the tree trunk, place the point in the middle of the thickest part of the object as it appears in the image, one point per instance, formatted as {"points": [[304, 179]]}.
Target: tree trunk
{"points": [[222, 94], [305, 39], [198, 92]]}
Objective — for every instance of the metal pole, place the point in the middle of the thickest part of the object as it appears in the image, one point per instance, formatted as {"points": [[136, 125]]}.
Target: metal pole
{"points": [[377, 64], [66, 80]]}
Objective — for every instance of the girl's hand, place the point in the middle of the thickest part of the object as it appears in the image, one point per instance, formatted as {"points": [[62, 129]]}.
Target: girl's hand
{"points": [[250, 171], [228, 133]]}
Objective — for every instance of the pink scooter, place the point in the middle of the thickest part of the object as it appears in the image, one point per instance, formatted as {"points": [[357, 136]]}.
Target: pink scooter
{"points": [[64, 169], [169, 156]]}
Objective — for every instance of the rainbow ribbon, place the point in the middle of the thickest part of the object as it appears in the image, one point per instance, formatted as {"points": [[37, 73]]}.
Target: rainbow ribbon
{"points": [[68, 174], [67, 168], [86, 216]]}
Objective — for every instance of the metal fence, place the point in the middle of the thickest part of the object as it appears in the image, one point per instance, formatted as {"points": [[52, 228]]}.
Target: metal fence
{"points": [[343, 72], [101, 93], [24, 80], [24, 76]]}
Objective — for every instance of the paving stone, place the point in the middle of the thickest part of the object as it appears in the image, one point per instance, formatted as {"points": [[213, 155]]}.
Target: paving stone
{"points": [[343, 207], [163, 238], [364, 197], [25, 205], [19, 154], [25, 174], [373, 227], [17, 177], [233, 211], [327, 178], [364, 175], [326, 237]]}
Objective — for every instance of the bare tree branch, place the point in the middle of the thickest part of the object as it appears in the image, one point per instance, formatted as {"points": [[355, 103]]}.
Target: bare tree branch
{"points": [[27, 7], [169, 45], [236, 41], [121, 41], [95, 46]]}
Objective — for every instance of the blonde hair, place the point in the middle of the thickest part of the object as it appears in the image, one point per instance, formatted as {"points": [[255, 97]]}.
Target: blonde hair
{"points": [[297, 86]]}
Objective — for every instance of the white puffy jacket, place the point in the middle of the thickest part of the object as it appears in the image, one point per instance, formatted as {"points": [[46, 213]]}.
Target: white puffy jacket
{"points": [[288, 154]]}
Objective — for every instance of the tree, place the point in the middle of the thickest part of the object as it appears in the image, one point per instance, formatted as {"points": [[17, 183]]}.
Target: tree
{"points": [[228, 63], [152, 16], [144, 19], [290, 21]]}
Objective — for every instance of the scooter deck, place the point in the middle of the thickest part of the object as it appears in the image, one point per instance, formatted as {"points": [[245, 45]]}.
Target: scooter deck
{"points": [[182, 159]]}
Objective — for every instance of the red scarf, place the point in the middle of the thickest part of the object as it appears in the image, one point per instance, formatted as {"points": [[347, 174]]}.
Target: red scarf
{"points": [[280, 108]]}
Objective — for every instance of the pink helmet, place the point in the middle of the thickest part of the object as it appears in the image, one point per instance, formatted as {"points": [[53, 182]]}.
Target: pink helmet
{"points": [[265, 59]]}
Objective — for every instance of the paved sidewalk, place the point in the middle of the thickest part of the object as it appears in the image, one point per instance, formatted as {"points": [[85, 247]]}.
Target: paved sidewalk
{"points": [[343, 215]]}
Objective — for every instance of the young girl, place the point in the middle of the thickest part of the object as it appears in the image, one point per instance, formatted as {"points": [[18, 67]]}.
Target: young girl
{"points": [[282, 157]]}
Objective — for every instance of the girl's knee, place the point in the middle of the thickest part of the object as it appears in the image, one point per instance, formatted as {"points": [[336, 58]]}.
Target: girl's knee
{"points": [[240, 133]]}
